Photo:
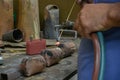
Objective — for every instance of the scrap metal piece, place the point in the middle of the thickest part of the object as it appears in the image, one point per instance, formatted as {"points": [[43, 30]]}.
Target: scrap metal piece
{"points": [[32, 65], [10, 74], [65, 34], [52, 55], [51, 19], [65, 30], [14, 35], [68, 48]]}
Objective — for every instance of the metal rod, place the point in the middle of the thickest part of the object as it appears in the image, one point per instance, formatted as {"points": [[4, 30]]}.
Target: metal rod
{"points": [[69, 14]]}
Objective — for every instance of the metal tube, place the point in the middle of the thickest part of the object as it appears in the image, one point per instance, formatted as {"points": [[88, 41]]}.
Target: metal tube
{"points": [[13, 36]]}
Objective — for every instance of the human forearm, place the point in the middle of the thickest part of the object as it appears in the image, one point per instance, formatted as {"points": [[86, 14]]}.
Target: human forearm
{"points": [[115, 14]]}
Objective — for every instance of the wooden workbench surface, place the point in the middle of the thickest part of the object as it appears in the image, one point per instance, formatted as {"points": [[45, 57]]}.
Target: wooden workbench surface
{"points": [[56, 72]]}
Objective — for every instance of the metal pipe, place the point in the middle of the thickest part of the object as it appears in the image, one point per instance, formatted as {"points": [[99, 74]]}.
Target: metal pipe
{"points": [[14, 35]]}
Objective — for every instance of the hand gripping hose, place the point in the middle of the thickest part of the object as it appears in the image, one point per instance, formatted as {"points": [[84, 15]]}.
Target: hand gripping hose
{"points": [[99, 53]]}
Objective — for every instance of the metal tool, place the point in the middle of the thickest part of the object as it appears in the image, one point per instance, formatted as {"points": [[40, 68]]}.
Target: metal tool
{"points": [[68, 32], [65, 29]]}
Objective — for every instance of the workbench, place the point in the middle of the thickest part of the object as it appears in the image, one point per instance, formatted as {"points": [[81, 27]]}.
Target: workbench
{"points": [[58, 71]]}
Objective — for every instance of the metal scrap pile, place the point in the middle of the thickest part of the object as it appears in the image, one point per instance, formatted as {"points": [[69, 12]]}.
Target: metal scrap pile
{"points": [[48, 57]]}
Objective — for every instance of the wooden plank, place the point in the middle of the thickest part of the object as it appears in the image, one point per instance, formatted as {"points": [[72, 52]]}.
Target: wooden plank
{"points": [[11, 44], [6, 16], [28, 18], [49, 42]]}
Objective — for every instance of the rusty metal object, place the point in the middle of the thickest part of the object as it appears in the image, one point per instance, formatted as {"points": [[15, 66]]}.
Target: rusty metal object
{"points": [[68, 48], [67, 34], [6, 16], [14, 35], [35, 46], [65, 30], [32, 65], [52, 56], [51, 19], [10, 74]]}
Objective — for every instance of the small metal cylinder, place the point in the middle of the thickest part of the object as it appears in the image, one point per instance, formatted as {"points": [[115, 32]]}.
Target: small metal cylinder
{"points": [[13, 36]]}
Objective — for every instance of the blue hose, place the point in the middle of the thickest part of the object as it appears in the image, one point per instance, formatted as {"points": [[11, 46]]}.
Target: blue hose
{"points": [[102, 55]]}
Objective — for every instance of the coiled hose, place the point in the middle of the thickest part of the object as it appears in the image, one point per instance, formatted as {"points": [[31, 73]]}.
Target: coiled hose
{"points": [[99, 56]]}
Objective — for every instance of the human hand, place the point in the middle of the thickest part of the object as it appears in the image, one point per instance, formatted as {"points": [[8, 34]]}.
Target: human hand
{"points": [[92, 18]]}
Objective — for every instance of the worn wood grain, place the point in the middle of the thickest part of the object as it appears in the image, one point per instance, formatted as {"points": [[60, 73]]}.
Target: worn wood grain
{"points": [[28, 18]]}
